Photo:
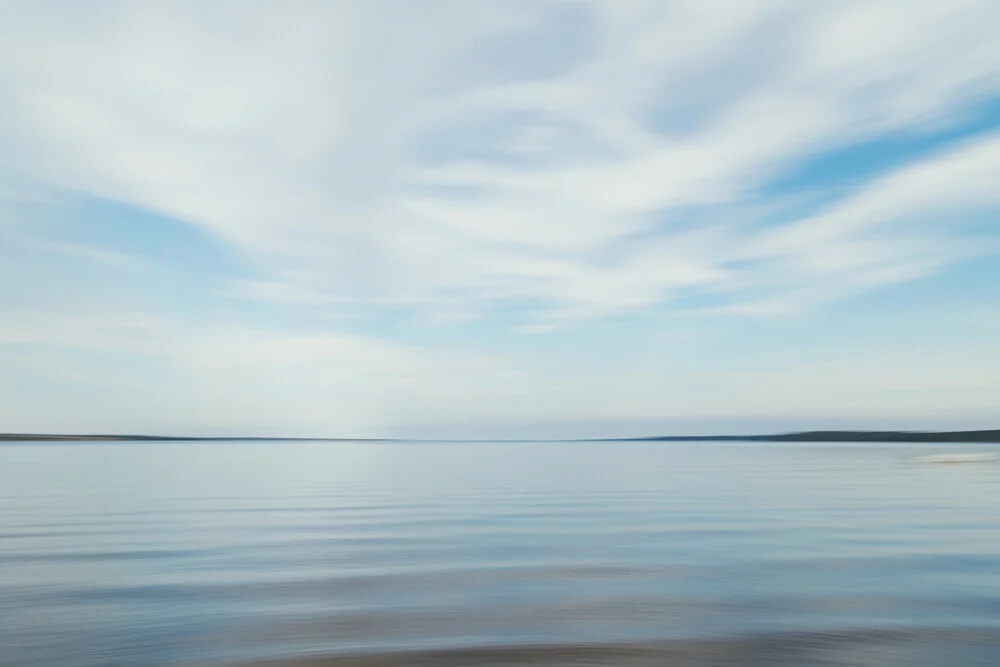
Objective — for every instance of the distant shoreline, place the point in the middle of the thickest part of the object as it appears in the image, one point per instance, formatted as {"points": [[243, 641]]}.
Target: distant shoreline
{"points": [[985, 436], [981, 436], [46, 437]]}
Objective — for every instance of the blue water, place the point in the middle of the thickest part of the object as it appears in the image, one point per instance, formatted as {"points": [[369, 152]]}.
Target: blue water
{"points": [[136, 554]]}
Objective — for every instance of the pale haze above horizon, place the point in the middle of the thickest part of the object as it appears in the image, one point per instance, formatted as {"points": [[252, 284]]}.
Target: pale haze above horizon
{"points": [[511, 218]]}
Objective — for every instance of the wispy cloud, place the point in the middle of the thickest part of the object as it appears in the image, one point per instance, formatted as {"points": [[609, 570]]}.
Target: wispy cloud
{"points": [[410, 174], [538, 165]]}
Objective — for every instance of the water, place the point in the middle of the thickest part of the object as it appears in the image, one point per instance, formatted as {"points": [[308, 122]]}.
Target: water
{"points": [[695, 554]]}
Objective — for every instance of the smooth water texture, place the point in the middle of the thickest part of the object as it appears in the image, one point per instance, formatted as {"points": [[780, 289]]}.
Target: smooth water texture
{"points": [[149, 554]]}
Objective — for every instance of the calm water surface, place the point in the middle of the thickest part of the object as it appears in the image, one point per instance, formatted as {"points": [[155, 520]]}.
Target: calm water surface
{"points": [[137, 555]]}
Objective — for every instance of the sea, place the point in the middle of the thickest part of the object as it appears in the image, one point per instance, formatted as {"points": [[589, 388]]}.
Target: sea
{"points": [[370, 554]]}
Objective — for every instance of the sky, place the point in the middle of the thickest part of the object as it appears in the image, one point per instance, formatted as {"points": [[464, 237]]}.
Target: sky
{"points": [[491, 219]]}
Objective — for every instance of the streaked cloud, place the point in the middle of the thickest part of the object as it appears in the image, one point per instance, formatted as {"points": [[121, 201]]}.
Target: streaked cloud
{"points": [[528, 167]]}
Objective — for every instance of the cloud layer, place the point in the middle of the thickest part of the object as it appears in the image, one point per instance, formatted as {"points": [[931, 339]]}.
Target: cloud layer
{"points": [[537, 166]]}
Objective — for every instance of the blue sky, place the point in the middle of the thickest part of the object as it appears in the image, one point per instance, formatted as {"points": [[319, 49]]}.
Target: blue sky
{"points": [[468, 218]]}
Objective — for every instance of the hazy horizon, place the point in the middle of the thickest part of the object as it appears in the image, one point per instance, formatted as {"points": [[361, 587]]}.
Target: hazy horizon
{"points": [[489, 219], [630, 429]]}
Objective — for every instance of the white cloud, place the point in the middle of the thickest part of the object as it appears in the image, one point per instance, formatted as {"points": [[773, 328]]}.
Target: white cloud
{"points": [[288, 130], [904, 226], [135, 372], [548, 162]]}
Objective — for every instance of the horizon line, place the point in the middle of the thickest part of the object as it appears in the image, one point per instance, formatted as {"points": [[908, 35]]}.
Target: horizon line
{"points": [[744, 436]]}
